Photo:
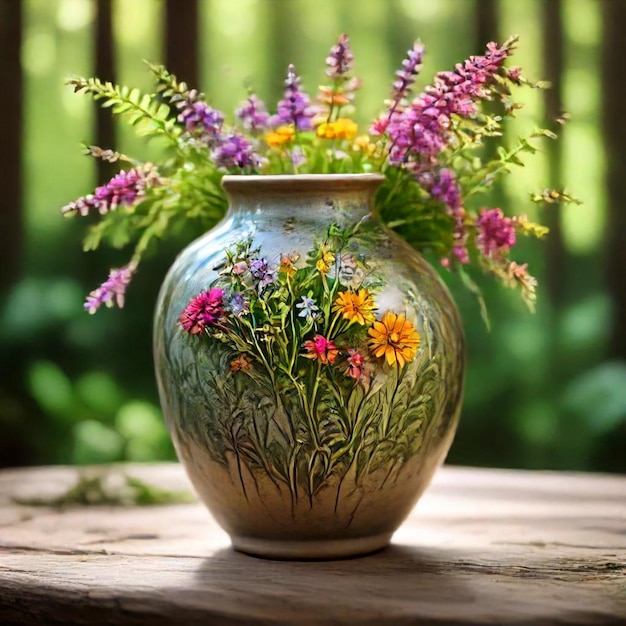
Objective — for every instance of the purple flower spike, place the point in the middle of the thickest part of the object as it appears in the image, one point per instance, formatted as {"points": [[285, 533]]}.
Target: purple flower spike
{"points": [[405, 77], [112, 290], [200, 115], [340, 60], [235, 151], [124, 189], [445, 189], [295, 108], [496, 233], [252, 113], [199, 118]]}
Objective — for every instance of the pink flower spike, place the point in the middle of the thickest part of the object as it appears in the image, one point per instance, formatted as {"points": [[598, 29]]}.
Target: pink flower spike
{"points": [[126, 188], [112, 290]]}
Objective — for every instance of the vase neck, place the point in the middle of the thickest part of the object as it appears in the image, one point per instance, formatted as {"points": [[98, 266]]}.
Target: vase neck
{"points": [[315, 197]]}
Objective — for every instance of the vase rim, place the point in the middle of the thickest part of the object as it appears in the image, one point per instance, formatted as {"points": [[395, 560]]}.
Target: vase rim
{"points": [[301, 182]]}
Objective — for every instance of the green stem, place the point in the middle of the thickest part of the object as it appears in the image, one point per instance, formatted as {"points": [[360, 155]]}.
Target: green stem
{"points": [[384, 424], [308, 408]]}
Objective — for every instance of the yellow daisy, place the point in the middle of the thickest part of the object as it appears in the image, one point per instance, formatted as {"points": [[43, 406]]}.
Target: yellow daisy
{"points": [[342, 128], [281, 135], [394, 338], [356, 306], [324, 263]]}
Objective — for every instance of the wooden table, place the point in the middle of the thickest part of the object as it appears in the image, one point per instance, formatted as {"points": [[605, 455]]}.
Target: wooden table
{"points": [[482, 547]]}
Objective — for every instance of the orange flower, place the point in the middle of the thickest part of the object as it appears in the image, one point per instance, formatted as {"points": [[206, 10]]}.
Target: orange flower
{"points": [[240, 363], [356, 306], [394, 338], [328, 96], [342, 128], [281, 135], [287, 264]]}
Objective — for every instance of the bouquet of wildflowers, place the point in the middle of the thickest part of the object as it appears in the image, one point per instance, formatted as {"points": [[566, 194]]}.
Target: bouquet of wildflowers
{"points": [[429, 147]]}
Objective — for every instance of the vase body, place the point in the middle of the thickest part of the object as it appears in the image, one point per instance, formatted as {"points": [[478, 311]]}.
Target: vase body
{"points": [[314, 408]]}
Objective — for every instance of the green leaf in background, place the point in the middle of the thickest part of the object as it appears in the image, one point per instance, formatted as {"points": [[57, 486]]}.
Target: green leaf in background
{"points": [[141, 424], [96, 443], [599, 396], [99, 393], [51, 388]]}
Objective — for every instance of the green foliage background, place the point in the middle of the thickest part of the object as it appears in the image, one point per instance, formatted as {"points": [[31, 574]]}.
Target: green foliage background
{"points": [[540, 391]]}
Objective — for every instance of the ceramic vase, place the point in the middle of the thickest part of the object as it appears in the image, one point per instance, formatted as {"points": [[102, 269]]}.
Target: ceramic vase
{"points": [[310, 367]]}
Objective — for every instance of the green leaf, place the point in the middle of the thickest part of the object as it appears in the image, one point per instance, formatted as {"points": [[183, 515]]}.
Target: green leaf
{"points": [[469, 283]]}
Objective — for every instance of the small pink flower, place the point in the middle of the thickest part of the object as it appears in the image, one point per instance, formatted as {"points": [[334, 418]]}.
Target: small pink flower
{"points": [[355, 362], [321, 348], [239, 268], [357, 367], [514, 74], [379, 125]]}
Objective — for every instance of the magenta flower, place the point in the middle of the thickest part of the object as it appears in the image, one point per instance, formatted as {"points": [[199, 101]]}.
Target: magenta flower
{"points": [[253, 113], [415, 132], [321, 348], [124, 189], [295, 108], [112, 290], [496, 233], [340, 60], [206, 309]]}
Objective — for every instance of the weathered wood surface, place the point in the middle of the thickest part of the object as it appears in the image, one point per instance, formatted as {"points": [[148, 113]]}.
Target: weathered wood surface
{"points": [[482, 547]]}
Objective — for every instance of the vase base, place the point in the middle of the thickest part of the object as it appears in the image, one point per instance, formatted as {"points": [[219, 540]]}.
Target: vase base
{"points": [[321, 549]]}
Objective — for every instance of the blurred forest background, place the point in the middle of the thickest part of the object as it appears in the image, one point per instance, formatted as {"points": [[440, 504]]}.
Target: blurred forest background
{"points": [[543, 391]]}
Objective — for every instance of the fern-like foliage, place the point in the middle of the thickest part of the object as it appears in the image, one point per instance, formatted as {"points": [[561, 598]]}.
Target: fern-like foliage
{"points": [[145, 112]]}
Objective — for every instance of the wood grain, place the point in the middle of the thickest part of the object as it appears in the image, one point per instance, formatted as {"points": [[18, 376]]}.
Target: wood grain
{"points": [[482, 547]]}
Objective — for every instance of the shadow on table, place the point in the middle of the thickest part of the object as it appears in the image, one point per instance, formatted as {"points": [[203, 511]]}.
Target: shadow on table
{"points": [[392, 586]]}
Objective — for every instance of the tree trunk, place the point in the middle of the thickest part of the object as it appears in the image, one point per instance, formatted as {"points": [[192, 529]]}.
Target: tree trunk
{"points": [[614, 127], [486, 29], [553, 105], [11, 221], [181, 35], [105, 69], [281, 22], [486, 25]]}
